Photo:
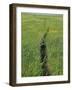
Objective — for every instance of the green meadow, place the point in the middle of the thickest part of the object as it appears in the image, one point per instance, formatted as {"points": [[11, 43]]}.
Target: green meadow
{"points": [[33, 28]]}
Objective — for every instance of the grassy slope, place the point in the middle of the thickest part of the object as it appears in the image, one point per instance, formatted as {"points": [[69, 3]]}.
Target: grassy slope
{"points": [[33, 28]]}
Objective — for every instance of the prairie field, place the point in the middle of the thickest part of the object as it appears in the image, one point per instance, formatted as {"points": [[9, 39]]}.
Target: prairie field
{"points": [[33, 28]]}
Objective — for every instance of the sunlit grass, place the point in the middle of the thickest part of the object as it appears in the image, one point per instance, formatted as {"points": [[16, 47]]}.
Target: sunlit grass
{"points": [[33, 29]]}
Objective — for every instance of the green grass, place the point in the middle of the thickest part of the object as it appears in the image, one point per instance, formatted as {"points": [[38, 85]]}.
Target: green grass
{"points": [[33, 28]]}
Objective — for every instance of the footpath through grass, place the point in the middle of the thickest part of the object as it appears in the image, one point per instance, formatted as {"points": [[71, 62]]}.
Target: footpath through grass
{"points": [[33, 28]]}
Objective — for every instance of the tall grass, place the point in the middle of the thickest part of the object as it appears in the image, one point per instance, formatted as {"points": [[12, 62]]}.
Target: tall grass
{"points": [[33, 28]]}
